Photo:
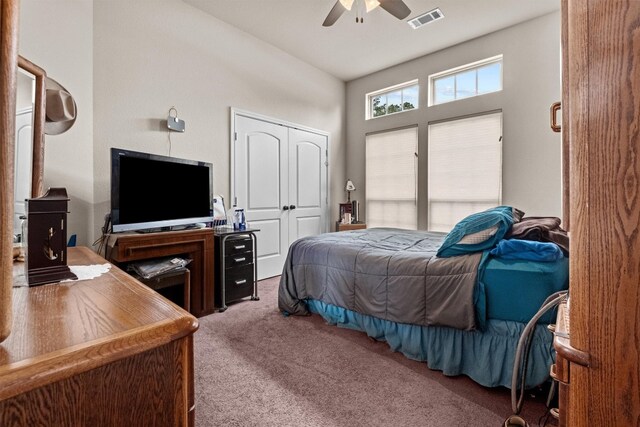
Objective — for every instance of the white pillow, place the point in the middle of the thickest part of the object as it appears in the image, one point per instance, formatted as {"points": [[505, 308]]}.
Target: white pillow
{"points": [[479, 237]]}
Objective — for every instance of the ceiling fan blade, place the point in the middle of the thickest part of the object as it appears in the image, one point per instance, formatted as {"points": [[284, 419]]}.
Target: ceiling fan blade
{"points": [[336, 11], [395, 7]]}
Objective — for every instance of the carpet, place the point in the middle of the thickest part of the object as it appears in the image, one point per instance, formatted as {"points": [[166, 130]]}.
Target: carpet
{"points": [[255, 367]]}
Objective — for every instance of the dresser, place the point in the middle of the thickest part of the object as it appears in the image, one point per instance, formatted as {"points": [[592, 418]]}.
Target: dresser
{"points": [[107, 351], [236, 265]]}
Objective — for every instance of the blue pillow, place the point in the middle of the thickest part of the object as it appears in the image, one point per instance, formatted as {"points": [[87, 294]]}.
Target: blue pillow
{"points": [[479, 231], [527, 250]]}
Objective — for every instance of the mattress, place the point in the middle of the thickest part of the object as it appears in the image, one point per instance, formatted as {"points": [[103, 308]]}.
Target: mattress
{"points": [[515, 290]]}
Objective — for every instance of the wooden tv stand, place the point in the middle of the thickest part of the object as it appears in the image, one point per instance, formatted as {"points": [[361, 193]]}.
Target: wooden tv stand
{"points": [[196, 244]]}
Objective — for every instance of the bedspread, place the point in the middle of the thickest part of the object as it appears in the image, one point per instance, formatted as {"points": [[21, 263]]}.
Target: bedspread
{"points": [[387, 273]]}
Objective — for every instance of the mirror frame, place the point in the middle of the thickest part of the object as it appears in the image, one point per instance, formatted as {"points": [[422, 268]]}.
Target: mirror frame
{"points": [[8, 78], [39, 117]]}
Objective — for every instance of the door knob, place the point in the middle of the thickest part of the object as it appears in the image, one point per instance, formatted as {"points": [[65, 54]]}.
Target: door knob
{"points": [[285, 208], [292, 207]]}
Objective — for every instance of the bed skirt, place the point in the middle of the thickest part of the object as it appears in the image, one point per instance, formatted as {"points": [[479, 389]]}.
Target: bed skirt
{"points": [[485, 356]]}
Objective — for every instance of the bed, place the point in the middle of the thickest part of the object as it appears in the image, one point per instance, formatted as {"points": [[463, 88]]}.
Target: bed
{"points": [[460, 314]]}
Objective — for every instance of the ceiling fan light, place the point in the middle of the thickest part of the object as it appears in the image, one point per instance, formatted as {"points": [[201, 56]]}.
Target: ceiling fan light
{"points": [[371, 4], [347, 4]]}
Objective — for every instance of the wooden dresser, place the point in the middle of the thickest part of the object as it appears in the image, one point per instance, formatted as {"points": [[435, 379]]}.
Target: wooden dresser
{"points": [[107, 351]]}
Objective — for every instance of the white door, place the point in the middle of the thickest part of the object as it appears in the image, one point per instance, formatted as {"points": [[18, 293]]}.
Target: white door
{"points": [[23, 166], [307, 184], [261, 174], [279, 177]]}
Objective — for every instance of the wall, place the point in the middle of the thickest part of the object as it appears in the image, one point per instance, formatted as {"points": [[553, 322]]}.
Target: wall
{"points": [[126, 63], [147, 59], [57, 35], [531, 83]]}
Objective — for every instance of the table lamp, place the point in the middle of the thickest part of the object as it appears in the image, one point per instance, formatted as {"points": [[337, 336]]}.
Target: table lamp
{"points": [[349, 187]]}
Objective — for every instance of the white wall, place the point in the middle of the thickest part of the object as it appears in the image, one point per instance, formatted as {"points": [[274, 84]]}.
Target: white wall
{"points": [[127, 62], [531, 152], [149, 56], [57, 35]]}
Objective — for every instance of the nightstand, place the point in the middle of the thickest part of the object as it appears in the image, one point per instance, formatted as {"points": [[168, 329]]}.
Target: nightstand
{"points": [[236, 263], [349, 227]]}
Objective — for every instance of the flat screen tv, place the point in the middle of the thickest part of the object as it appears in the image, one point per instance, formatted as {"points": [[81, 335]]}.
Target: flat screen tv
{"points": [[150, 191]]}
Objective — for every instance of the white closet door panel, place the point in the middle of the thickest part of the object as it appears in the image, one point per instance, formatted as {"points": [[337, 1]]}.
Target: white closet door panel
{"points": [[264, 172], [260, 186], [270, 237], [309, 175], [307, 183], [308, 226]]}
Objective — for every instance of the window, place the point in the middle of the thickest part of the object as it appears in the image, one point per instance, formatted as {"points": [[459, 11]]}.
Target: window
{"points": [[467, 81], [392, 100], [391, 178], [465, 168]]}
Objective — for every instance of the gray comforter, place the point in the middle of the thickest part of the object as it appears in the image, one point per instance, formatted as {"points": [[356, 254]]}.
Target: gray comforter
{"points": [[387, 273]]}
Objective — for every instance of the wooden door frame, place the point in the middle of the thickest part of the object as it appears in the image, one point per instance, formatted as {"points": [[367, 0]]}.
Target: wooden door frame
{"points": [[235, 112]]}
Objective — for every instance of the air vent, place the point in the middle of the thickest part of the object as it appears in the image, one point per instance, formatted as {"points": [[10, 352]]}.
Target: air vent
{"points": [[426, 18]]}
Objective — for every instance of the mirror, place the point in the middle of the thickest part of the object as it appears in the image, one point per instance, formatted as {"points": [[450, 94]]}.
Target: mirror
{"points": [[29, 139]]}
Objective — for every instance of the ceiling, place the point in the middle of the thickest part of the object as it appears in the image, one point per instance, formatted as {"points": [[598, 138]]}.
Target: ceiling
{"points": [[348, 50]]}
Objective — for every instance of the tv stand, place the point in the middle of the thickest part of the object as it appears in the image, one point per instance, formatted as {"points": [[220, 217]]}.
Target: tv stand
{"points": [[195, 244]]}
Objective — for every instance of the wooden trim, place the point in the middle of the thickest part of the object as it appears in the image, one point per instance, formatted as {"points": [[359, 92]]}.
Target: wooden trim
{"points": [[8, 62], [604, 52], [39, 117], [566, 111]]}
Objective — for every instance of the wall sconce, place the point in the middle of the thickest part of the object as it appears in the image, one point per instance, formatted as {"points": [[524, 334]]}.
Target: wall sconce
{"points": [[173, 122], [349, 187]]}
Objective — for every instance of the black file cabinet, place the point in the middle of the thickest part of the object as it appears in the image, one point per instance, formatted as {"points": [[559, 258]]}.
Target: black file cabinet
{"points": [[236, 266]]}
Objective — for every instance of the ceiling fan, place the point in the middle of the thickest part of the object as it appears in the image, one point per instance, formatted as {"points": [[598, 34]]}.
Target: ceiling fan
{"points": [[395, 7]]}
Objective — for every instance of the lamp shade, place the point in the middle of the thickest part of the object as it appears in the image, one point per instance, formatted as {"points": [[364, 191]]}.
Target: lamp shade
{"points": [[349, 186], [347, 4]]}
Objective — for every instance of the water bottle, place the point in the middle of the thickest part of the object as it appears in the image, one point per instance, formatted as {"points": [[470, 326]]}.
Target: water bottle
{"points": [[239, 222]]}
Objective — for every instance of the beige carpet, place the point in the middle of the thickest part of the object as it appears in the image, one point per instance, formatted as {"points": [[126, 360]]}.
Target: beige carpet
{"points": [[255, 367]]}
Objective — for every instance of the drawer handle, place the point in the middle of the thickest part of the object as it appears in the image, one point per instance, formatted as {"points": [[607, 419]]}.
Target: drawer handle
{"points": [[238, 247], [241, 282], [239, 259]]}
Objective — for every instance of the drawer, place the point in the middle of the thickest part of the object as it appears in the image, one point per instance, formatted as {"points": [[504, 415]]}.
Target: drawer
{"points": [[235, 245], [238, 260], [239, 283], [239, 276]]}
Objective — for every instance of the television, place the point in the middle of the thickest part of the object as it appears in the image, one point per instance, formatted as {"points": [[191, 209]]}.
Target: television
{"points": [[149, 191]]}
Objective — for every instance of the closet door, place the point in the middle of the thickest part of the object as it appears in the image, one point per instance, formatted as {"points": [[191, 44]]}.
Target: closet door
{"points": [[260, 181], [280, 177], [307, 184]]}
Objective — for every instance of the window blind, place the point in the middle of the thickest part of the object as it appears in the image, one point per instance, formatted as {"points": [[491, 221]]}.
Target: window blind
{"points": [[465, 168], [391, 178]]}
